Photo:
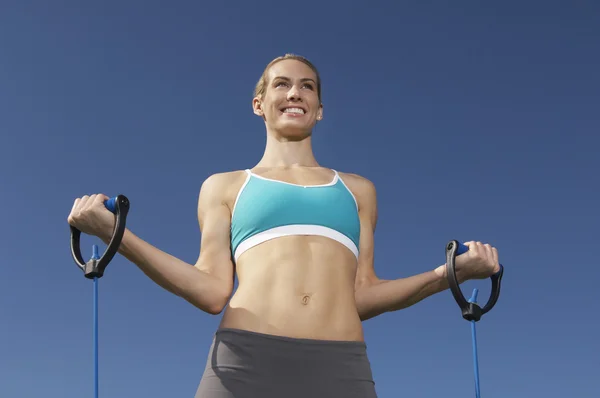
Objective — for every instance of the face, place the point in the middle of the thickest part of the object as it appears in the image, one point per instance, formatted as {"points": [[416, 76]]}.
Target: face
{"points": [[290, 104]]}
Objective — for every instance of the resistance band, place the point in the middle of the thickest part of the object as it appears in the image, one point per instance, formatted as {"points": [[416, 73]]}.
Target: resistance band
{"points": [[470, 310], [94, 268]]}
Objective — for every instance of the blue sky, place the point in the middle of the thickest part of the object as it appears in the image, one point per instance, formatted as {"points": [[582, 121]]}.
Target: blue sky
{"points": [[474, 120]]}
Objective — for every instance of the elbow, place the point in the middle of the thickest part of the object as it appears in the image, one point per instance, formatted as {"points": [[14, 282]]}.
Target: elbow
{"points": [[215, 303], [366, 310], [210, 295], [217, 306], [214, 310]]}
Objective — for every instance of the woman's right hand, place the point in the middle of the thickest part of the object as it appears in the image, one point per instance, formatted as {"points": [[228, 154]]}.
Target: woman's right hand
{"points": [[90, 216]]}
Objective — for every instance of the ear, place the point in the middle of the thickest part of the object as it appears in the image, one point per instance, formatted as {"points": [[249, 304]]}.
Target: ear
{"points": [[257, 107], [320, 113]]}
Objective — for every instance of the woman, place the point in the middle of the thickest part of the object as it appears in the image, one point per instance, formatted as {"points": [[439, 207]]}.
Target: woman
{"points": [[300, 238]]}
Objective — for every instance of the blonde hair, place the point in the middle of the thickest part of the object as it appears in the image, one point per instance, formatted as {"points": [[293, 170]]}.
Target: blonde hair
{"points": [[261, 86]]}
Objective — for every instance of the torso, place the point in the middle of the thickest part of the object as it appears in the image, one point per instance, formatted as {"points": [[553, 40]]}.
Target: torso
{"points": [[296, 286]]}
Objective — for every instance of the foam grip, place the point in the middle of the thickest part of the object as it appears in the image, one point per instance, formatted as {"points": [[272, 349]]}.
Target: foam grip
{"points": [[110, 204], [461, 249]]}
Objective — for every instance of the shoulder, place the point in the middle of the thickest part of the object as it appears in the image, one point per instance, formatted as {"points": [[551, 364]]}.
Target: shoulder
{"points": [[221, 187], [365, 193], [223, 179], [360, 186]]}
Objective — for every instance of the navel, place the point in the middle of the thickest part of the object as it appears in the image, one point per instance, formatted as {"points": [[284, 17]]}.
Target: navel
{"points": [[305, 299]]}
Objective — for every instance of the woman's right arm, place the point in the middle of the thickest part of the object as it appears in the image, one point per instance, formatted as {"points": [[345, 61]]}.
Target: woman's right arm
{"points": [[207, 284]]}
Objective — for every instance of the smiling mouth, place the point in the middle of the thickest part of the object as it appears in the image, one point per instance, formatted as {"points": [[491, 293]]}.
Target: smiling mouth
{"points": [[293, 111]]}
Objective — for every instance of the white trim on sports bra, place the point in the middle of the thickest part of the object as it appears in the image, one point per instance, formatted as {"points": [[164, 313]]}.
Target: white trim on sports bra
{"points": [[297, 229], [328, 184]]}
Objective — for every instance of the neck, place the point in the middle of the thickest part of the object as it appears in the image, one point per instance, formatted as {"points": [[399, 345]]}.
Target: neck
{"points": [[283, 152]]}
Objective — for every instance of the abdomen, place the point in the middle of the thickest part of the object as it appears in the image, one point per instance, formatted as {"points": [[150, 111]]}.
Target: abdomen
{"points": [[296, 286]]}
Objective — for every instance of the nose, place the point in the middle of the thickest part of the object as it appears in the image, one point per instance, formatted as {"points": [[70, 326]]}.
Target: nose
{"points": [[293, 94]]}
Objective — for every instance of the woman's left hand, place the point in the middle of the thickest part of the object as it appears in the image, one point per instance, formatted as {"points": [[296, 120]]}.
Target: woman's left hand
{"points": [[480, 262]]}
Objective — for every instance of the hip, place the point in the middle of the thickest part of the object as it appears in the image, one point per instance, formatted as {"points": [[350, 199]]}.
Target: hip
{"points": [[246, 364]]}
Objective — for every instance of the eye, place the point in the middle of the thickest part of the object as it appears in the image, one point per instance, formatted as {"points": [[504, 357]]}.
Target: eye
{"points": [[309, 86], [280, 83]]}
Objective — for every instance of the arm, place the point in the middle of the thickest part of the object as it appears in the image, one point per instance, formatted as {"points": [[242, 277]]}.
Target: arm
{"points": [[383, 296], [207, 284], [375, 296]]}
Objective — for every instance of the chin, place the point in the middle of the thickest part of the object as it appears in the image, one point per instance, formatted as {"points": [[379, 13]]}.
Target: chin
{"points": [[294, 133]]}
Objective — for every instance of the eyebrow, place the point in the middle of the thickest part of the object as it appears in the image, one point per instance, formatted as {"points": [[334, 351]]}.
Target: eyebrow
{"points": [[305, 79]]}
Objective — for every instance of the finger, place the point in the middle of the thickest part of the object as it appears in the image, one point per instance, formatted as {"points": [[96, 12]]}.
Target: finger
{"points": [[495, 257], [100, 199], [481, 251], [473, 248], [70, 217], [82, 203], [90, 202], [470, 244], [75, 203], [488, 252]]}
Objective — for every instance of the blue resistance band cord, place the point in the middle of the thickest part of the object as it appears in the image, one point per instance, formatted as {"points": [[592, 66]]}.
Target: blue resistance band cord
{"points": [[473, 300], [95, 256], [94, 268]]}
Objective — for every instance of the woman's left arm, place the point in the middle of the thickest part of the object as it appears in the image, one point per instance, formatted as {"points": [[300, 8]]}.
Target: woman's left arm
{"points": [[376, 296]]}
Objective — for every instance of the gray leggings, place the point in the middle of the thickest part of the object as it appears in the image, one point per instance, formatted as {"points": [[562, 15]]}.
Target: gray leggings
{"points": [[243, 364]]}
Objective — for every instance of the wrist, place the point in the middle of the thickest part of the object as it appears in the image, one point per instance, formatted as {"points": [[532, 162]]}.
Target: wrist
{"points": [[442, 273], [106, 236]]}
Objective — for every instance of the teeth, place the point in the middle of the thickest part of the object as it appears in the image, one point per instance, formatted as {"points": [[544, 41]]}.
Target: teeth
{"points": [[294, 110]]}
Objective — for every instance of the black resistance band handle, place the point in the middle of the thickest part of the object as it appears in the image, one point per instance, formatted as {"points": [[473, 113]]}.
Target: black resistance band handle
{"points": [[470, 311], [119, 205]]}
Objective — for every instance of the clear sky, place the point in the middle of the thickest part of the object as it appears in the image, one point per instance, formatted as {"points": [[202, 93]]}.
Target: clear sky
{"points": [[475, 120]]}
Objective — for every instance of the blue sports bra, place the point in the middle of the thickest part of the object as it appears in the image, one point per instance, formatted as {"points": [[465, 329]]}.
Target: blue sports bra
{"points": [[267, 209]]}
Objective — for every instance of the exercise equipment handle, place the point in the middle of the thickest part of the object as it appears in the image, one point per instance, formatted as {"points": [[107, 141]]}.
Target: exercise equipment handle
{"points": [[462, 249], [470, 310], [111, 204], [94, 268]]}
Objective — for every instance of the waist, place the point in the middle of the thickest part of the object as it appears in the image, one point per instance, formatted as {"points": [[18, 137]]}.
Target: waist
{"points": [[279, 344], [296, 317]]}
